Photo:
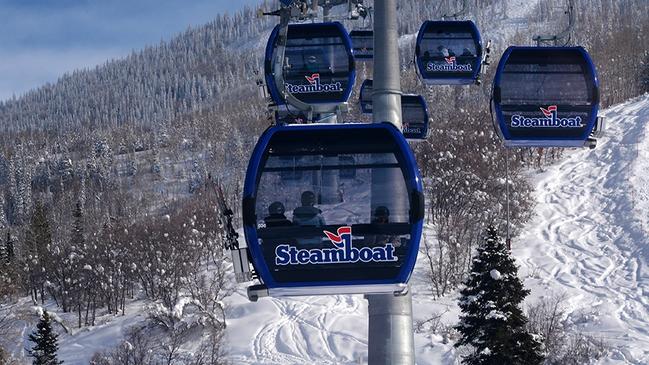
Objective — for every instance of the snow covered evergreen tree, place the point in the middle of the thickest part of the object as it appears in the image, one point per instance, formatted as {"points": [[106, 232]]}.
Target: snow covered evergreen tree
{"points": [[8, 253], [45, 343], [9, 277], [492, 323]]}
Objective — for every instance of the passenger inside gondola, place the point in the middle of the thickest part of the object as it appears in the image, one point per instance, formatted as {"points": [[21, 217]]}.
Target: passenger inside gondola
{"points": [[381, 216], [276, 217], [311, 63], [308, 215]]}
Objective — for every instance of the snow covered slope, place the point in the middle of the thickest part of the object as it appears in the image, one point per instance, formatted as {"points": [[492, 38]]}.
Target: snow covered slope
{"points": [[588, 240], [327, 329], [590, 236]]}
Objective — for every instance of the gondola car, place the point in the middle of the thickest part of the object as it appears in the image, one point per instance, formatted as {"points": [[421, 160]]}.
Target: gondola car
{"points": [[362, 44], [365, 97], [414, 117], [448, 53], [317, 65], [366, 242], [546, 97]]}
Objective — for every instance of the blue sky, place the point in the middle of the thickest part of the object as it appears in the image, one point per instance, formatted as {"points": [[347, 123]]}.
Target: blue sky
{"points": [[40, 40]]}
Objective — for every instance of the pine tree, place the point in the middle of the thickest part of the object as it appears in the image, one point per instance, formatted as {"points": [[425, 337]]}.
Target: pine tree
{"points": [[77, 227], [492, 322], [45, 343], [8, 249], [38, 239]]}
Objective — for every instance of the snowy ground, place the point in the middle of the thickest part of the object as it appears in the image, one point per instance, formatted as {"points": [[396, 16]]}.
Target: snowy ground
{"points": [[327, 329], [588, 239]]}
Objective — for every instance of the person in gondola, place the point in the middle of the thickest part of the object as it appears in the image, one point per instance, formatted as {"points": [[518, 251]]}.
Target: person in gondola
{"points": [[308, 215], [381, 216], [276, 217], [311, 62]]}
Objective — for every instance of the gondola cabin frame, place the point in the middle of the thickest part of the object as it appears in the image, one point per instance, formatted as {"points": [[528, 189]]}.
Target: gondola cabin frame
{"points": [[296, 258], [415, 130], [365, 96], [556, 109], [362, 49], [445, 65], [318, 67]]}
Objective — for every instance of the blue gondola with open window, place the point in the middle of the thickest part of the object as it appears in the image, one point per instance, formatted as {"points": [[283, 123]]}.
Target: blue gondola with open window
{"points": [[546, 97], [349, 222], [315, 65], [449, 53]]}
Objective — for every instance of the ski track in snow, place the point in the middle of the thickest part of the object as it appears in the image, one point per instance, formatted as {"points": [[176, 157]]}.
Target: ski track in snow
{"points": [[301, 332], [297, 335], [589, 238]]}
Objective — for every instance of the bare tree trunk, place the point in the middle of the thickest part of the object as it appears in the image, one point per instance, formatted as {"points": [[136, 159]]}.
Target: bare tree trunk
{"points": [[79, 311]]}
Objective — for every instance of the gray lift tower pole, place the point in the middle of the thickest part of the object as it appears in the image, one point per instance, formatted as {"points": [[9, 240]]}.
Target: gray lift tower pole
{"points": [[391, 339]]}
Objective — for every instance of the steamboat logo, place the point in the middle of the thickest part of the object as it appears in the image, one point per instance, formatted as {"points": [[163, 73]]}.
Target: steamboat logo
{"points": [[314, 86], [342, 252], [551, 120]]}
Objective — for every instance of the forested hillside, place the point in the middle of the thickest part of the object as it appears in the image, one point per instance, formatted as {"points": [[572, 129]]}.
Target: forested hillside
{"points": [[103, 173]]}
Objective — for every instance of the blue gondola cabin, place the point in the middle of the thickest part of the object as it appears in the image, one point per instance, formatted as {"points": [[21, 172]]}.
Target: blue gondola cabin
{"points": [[348, 220], [448, 53], [546, 97], [317, 64]]}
